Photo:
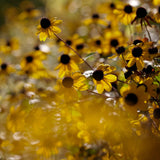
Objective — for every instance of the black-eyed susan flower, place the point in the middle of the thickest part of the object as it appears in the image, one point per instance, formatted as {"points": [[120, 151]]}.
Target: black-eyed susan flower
{"points": [[75, 42], [113, 40], [126, 13], [29, 12], [32, 64], [9, 45], [136, 56], [150, 87], [143, 16], [134, 97], [108, 9], [47, 28], [103, 77], [67, 64], [95, 19], [152, 53], [5, 70], [97, 44], [67, 87]]}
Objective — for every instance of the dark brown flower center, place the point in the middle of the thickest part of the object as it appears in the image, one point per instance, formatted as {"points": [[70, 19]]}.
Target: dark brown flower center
{"points": [[137, 41], [98, 75], [29, 59], [137, 51], [67, 82], [131, 99], [69, 42], [128, 9], [159, 9], [120, 50], [45, 23], [114, 43], [112, 6], [29, 10], [3, 66], [141, 12], [156, 113], [37, 48], [8, 43], [65, 59], [153, 50], [79, 46], [98, 42], [95, 16]]}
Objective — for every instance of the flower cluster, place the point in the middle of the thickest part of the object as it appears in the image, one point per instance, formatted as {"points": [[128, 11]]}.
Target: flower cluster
{"points": [[84, 88]]}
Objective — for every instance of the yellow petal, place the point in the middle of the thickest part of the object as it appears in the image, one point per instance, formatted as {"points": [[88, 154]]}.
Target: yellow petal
{"points": [[43, 36], [100, 88]]}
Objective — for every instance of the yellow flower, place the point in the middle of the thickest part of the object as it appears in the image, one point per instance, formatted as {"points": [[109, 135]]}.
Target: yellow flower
{"points": [[103, 78], [112, 41], [134, 97], [67, 64], [95, 19], [32, 65], [48, 28], [29, 12], [67, 87], [9, 45], [136, 56], [74, 42], [125, 13], [98, 44]]}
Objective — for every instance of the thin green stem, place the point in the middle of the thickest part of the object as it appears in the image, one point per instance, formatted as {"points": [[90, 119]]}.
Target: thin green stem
{"points": [[147, 31]]}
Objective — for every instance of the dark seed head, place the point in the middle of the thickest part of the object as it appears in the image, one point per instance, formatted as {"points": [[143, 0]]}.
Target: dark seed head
{"points": [[29, 10], [137, 51], [8, 43], [156, 113], [131, 99], [29, 59], [114, 43], [45, 23], [127, 74], [120, 50], [128, 9], [37, 48], [79, 46], [98, 42], [158, 90], [98, 75], [112, 6], [3, 66], [67, 82], [137, 41], [153, 50], [159, 9], [149, 69], [141, 12], [65, 59], [95, 16], [69, 42]]}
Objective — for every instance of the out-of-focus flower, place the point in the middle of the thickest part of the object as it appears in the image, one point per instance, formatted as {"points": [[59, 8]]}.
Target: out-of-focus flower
{"points": [[134, 97], [67, 64], [126, 13]]}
